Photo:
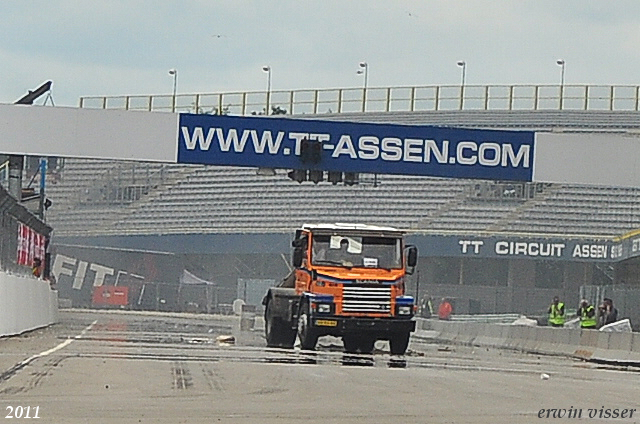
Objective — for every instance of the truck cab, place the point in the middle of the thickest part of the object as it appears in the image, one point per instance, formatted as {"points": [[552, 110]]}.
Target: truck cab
{"points": [[348, 280]]}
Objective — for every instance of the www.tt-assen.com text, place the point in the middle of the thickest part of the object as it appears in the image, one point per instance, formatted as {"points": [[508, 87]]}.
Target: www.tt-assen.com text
{"points": [[390, 149]]}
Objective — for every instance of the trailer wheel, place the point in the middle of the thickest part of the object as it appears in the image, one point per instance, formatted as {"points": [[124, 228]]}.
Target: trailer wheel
{"points": [[358, 344], [398, 343], [308, 337], [277, 332]]}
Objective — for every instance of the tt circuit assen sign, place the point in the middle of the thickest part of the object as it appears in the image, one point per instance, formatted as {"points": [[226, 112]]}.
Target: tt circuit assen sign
{"points": [[356, 147], [517, 248]]}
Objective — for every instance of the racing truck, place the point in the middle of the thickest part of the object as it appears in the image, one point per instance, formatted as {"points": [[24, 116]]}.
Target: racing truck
{"points": [[348, 281]]}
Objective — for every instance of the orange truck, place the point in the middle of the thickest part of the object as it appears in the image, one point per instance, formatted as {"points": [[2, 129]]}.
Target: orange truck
{"points": [[348, 280]]}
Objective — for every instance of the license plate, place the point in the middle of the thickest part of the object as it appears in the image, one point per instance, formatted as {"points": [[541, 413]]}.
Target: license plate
{"points": [[326, 322]]}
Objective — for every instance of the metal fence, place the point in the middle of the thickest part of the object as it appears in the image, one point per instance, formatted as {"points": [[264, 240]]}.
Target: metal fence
{"points": [[389, 99], [625, 298], [125, 183]]}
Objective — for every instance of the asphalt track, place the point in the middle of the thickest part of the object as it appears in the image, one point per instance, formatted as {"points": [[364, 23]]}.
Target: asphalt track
{"points": [[118, 367]]}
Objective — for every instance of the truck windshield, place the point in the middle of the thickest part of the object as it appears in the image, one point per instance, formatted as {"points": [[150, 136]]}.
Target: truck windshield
{"points": [[350, 251]]}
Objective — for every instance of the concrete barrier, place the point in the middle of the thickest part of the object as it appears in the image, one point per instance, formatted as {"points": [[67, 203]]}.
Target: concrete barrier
{"points": [[517, 337], [588, 344], [562, 343], [602, 346], [579, 343], [573, 341], [503, 333], [532, 342], [449, 331], [635, 347], [529, 344], [545, 337], [434, 328], [25, 304], [467, 332], [483, 338], [618, 347]]}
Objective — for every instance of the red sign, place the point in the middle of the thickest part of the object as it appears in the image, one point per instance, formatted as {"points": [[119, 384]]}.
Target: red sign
{"points": [[110, 296], [30, 245]]}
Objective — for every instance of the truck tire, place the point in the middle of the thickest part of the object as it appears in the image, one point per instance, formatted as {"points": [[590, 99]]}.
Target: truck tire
{"points": [[307, 335], [277, 331], [398, 343], [358, 344]]}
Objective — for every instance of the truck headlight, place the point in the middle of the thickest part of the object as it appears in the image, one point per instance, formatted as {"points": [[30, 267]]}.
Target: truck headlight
{"points": [[323, 308], [404, 310]]}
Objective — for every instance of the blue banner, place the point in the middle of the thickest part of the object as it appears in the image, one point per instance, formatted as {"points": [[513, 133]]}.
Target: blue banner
{"points": [[356, 147], [513, 247]]}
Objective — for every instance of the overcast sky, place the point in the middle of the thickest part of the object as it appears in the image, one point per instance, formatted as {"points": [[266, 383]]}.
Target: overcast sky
{"points": [[91, 48]]}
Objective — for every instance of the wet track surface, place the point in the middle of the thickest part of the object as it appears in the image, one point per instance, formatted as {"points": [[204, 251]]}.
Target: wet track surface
{"points": [[142, 367]]}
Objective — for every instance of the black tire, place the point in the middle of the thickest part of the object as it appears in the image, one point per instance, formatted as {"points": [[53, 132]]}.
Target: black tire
{"points": [[277, 332], [307, 335], [398, 343], [358, 344]]}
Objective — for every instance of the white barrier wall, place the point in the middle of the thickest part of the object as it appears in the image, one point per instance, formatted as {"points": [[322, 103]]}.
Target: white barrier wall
{"points": [[25, 304]]}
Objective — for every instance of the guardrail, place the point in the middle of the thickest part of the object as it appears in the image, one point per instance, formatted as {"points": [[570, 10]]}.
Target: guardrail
{"points": [[389, 99]]}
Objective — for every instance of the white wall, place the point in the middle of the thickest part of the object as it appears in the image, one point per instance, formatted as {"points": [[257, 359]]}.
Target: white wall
{"points": [[587, 158], [93, 133], [25, 304]]}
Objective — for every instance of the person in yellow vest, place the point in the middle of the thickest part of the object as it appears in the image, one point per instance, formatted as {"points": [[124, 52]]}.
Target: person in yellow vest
{"points": [[556, 313], [587, 314]]}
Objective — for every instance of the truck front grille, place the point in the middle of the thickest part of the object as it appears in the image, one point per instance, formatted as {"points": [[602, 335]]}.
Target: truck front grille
{"points": [[366, 299]]}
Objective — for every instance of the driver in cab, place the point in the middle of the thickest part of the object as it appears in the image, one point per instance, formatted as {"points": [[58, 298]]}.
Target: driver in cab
{"points": [[346, 257]]}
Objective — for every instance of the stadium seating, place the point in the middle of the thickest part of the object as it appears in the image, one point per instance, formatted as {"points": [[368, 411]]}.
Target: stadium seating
{"points": [[100, 197], [209, 199]]}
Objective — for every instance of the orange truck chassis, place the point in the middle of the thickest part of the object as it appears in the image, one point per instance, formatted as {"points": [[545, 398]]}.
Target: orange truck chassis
{"points": [[348, 281]]}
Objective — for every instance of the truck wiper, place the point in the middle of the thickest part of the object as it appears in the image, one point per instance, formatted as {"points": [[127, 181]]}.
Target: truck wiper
{"points": [[328, 262], [337, 263]]}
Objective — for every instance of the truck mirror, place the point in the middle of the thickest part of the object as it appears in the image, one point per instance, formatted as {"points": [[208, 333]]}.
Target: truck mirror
{"points": [[412, 256], [297, 257]]}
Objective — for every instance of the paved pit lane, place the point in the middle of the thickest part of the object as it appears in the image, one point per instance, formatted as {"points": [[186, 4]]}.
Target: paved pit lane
{"points": [[123, 367]]}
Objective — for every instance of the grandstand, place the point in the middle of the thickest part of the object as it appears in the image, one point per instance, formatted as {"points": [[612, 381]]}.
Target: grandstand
{"points": [[98, 197], [228, 225]]}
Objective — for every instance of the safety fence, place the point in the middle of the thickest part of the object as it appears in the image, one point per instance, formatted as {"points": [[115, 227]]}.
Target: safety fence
{"points": [[383, 99], [617, 347]]}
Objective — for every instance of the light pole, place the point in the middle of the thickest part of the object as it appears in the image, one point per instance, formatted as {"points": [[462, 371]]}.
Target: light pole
{"points": [[174, 73], [364, 69], [561, 64], [463, 65], [267, 69]]}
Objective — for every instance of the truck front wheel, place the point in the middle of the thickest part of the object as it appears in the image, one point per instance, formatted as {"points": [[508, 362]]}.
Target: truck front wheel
{"points": [[398, 343], [277, 332], [307, 335]]}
